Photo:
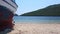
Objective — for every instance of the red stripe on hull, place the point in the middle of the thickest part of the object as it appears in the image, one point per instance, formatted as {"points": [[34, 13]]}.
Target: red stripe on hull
{"points": [[6, 18]]}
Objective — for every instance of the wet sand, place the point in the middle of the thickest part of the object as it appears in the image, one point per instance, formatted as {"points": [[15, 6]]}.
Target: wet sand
{"points": [[36, 29]]}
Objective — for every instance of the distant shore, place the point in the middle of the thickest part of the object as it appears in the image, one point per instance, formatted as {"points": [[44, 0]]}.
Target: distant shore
{"points": [[36, 29]]}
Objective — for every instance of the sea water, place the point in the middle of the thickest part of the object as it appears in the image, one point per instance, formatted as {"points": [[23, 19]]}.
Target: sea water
{"points": [[37, 19]]}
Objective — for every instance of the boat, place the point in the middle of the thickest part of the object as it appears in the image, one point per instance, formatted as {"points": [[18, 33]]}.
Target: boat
{"points": [[7, 11]]}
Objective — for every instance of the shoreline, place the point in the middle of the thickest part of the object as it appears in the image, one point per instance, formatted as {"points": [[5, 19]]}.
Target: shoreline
{"points": [[36, 29], [37, 22]]}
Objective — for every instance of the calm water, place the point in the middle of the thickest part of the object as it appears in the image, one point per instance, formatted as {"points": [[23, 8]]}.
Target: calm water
{"points": [[36, 19]]}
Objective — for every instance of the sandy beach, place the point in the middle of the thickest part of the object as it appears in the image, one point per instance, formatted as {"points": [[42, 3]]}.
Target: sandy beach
{"points": [[36, 29]]}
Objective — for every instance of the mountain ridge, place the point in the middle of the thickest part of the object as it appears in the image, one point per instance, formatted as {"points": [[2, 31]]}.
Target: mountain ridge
{"points": [[52, 10]]}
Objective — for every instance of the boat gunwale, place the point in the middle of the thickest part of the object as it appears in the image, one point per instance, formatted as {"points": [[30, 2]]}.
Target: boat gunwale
{"points": [[10, 4]]}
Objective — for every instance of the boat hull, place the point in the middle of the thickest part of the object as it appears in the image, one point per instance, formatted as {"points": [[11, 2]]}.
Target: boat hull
{"points": [[7, 12], [12, 6]]}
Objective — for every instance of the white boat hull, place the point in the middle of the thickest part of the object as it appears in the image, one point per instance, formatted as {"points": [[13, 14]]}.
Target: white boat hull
{"points": [[9, 4]]}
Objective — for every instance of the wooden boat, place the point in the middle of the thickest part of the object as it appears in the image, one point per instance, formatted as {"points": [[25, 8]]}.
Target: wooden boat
{"points": [[7, 11]]}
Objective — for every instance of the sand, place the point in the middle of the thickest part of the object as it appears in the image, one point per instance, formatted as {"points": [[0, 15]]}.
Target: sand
{"points": [[36, 29]]}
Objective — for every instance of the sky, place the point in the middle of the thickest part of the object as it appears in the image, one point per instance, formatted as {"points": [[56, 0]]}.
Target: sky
{"points": [[25, 6]]}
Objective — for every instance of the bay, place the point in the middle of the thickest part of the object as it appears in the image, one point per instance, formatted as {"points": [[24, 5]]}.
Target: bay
{"points": [[37, 19]]}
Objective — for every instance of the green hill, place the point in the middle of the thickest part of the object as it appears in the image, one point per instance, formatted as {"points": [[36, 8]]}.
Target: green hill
{"points": [[52, 10]]}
